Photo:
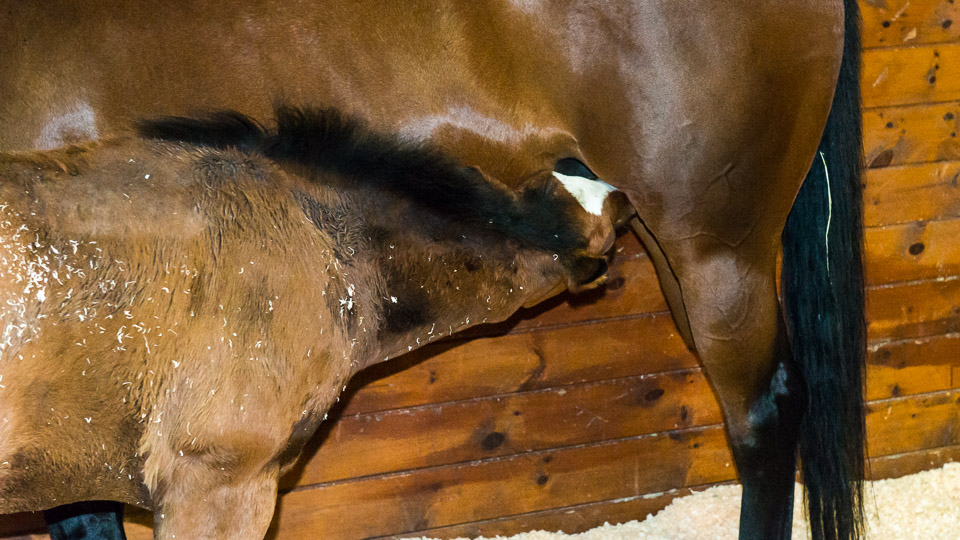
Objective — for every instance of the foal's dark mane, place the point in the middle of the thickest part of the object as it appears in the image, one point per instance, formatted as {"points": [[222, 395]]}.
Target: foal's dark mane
{"points": [[325, 140]]}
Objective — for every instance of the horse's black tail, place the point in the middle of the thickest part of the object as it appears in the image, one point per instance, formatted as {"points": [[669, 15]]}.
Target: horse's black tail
{"points": [[823, 297]]}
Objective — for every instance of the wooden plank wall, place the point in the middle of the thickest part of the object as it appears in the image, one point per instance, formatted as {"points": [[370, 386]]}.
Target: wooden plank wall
{"points": [[590, 409]]}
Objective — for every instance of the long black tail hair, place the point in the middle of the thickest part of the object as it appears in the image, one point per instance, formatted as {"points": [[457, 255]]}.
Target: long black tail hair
{"points": [[823, 297]]}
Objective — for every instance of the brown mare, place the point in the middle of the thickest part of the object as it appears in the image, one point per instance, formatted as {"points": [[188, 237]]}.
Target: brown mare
{"points": [[179, 319], [709, 116]]}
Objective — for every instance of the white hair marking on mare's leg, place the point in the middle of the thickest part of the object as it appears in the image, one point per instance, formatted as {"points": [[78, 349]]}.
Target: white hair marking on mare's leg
{"points": [[826, 233], [589, 193], [75, 124]]}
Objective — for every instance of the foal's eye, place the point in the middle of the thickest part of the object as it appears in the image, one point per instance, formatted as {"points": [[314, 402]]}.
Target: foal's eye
{"points": [[574, 167]]}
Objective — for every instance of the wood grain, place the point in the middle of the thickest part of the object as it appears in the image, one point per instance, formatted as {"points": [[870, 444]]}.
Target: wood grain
{"points": [[583, 517], [912, 310], [530, 482], [910, 75], [897, 465], [573, 518], [912, 193], [910, 135], [600, 351], [913, 366], [914, 22], [912, 251], [913, 423], [523, 361], [413, 438]]}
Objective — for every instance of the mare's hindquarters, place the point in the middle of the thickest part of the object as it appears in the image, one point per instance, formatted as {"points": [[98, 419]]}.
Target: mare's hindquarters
{"points": [[714, 167]]}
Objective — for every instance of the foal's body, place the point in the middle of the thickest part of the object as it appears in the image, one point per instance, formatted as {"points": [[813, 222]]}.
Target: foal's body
{"points": [[178, 319]]}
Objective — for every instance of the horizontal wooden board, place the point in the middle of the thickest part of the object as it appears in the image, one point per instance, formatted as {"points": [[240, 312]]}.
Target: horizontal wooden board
{"points": [[939, 350], [517, 362], [912, 251], [914, 366], [911, 310], [446, 496], [426, 497], [909, 135], [582, 517], [885, 382], [612, 349], [914, 22], [378, 443], [897, 465], [388, 441], [913, 423], [910, 75], [532, 482], [900, 195], [411, 438]]}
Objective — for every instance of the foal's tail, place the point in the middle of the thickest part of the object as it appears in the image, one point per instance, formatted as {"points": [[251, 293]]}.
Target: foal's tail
{"points": [[823, 297]]}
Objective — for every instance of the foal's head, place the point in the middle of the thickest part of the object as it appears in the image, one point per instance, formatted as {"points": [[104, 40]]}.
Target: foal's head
{"points": [[568, 220]]}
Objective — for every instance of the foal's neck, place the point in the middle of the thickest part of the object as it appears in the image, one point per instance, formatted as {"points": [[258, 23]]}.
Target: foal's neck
{"points": [[440, 277]]}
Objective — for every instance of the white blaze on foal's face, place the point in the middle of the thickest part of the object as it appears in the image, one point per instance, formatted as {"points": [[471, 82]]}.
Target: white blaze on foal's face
{"points": [[589, 193]]}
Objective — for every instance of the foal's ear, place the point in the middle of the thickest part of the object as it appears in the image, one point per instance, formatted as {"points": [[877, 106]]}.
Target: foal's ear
{"points": [[472, 173]]}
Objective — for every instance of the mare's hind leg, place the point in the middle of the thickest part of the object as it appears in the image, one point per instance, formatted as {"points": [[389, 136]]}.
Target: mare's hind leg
{"points": [[668, 280], [736, 324]]}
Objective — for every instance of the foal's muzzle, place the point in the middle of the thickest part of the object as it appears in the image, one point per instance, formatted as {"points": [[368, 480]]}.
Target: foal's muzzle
{"points": [[586, 273]]}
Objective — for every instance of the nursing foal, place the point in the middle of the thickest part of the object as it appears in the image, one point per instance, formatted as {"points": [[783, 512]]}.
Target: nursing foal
{"points": [[178, 311]]}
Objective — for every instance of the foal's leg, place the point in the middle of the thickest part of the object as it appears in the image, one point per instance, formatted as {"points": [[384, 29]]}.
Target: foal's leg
{"points": [[201, 505], [731, 302]]}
